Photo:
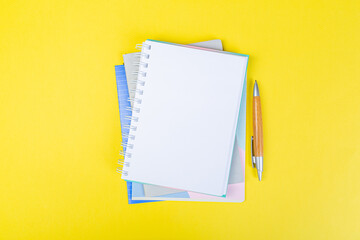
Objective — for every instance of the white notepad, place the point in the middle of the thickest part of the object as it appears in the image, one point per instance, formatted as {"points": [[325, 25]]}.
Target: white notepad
{"points": [[183, 125]]}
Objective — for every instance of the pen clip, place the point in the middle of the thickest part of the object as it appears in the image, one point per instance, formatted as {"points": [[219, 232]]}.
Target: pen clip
{"points": [[253, 161]]}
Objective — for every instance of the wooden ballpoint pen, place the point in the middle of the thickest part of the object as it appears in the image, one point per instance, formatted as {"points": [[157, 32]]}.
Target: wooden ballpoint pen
{"points": [[257, 140]]}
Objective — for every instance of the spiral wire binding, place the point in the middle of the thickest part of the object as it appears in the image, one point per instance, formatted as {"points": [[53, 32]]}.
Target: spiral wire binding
{"points": [[138, 82], [134, 109], [130, 127], [134, 101], [141, 64]]}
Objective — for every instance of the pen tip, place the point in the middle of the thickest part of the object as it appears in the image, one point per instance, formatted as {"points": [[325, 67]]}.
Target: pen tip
{"points": [[259, 176], [256, 90]]}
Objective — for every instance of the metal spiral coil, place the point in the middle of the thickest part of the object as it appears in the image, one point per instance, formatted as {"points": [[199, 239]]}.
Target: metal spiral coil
{"points": [[132, 118], [143, 46], [145, 55], [138, 82], [137, 73], [128, 137], [129, 127], [134, 109], [121, 162], [143, 64], [127, 145], [141, 92], [134, 100], [125, 154], [121, 171]]}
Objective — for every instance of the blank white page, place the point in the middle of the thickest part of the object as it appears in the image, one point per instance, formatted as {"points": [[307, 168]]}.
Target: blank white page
{"points": [[185, 129]]}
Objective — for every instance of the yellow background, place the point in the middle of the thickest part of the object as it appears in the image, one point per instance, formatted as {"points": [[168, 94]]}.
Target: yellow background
{"points": [[60, 130]]}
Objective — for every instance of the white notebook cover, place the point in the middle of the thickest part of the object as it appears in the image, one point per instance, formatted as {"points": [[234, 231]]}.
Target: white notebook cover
{"points": [[131, 63], [185, 129]]}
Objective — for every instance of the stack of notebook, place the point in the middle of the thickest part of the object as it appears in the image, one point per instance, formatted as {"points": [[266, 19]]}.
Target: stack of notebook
{"points": [[182, 114]]}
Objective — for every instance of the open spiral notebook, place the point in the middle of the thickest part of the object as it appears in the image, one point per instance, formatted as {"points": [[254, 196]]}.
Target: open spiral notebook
{"points": [[196, 178]]}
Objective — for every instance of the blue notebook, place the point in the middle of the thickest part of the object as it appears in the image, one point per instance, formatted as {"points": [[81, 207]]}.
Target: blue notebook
{"points": [[123, 96]]}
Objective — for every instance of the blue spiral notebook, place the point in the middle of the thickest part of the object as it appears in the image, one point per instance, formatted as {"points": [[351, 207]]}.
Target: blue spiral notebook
{"points": [[124, 105]]}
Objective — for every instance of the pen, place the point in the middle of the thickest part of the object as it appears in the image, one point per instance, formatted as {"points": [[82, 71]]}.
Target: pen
{"points": [[257, 140]]}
